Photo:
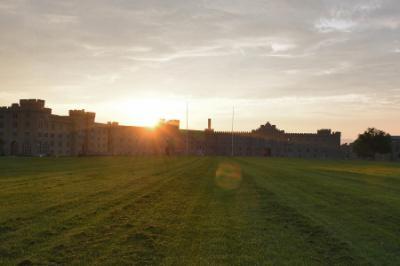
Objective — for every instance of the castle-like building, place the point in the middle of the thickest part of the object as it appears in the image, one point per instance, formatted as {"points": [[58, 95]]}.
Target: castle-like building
{"points": [[30, 129]]}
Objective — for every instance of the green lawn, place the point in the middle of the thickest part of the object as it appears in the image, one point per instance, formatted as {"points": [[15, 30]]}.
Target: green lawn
{"points": [[198, 210]]}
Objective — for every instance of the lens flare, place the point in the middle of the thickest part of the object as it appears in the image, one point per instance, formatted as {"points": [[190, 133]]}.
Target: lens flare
{"points": [[228, 176]]}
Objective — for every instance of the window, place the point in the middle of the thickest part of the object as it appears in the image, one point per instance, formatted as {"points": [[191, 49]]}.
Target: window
{"points": [[45, 147], [26, 148]]}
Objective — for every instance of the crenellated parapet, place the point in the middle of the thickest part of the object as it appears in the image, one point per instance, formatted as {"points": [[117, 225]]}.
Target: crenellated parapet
{"points": [[80, 114], [27, 105], [32, 104], [112, 124], [230, 132]]}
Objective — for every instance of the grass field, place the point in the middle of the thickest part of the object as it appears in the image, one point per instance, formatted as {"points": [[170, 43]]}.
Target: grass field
{"points": [[198, 210]]}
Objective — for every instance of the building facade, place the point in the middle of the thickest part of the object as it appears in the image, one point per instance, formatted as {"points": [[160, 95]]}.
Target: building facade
{"points": [[30, 129], [396, 148]]}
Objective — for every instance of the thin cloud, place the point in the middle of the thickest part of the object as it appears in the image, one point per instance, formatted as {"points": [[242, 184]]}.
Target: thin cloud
{"points": [[335, 52], [325, 25]]}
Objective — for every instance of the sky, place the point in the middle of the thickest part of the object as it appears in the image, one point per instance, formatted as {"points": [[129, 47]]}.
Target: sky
{"points": [[303, 65]]}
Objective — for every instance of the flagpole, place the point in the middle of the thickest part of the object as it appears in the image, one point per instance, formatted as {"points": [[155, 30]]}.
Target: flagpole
{"points": [[187, 128], [233, 117]]}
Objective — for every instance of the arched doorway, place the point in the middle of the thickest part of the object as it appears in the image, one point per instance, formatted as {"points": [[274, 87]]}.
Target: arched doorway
{"points": [[14, 148]]}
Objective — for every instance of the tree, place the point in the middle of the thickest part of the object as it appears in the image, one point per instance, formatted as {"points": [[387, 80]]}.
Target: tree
{"points": [[373, 141]]}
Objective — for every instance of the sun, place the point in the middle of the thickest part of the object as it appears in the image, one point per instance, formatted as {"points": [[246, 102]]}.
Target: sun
{"points": [[148, 112]]}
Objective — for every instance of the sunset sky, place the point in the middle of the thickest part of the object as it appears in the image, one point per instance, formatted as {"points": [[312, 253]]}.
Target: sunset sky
{"points": [[302, 65]]}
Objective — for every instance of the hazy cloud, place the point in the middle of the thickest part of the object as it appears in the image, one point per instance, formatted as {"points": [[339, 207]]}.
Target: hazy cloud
{"points": [[317, 53]]}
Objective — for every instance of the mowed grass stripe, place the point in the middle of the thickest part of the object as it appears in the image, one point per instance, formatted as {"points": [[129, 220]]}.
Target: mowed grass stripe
{"points": [[112, 182], [341, 206], [244, 226], [110, 233], [157, 224], [314, 244], [56, 220], [80, 184]]}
